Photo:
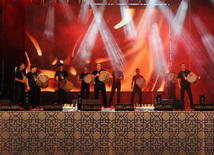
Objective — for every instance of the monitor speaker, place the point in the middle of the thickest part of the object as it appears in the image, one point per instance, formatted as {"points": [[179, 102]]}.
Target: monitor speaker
{"points": [[7, 107], [203, 107], [89, 104], [53, 108], [167, 101], [163, 107], [124, 107]]}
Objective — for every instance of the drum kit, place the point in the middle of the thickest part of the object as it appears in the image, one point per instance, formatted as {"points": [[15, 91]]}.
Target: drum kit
{"points": [[141, 82]]}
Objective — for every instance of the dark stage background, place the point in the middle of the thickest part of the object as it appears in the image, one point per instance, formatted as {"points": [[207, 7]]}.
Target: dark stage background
{"points": [[150, 38]]}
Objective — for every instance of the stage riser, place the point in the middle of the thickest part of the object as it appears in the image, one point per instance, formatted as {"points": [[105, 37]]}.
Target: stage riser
{"points": [[107, 132]]}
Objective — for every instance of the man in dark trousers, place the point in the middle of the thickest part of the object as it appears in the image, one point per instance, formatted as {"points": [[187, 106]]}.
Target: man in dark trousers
{"points": [[183, 84], [84, 86], [98, 85], [20, 79], [170, 84], [61, 75], [136, 87], [34, 90], [117, 75]]}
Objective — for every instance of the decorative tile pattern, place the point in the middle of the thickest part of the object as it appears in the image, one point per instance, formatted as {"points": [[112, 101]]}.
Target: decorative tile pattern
{"points": [[119, 133]]}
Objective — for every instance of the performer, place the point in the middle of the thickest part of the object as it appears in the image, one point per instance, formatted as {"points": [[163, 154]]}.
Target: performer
{"points": [[183, 84], [84, 86], [170, 84], [20, 79], [34, 90], [116, 83], [99, 85], [136, 87], [60, 75]]}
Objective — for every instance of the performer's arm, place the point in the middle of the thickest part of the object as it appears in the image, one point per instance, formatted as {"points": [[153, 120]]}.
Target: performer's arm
{"points": [[122, 77], [94, 76], [178, 81], [55, 77], [191, 73], [16, 79], [28, 86], [80, 77], [67, 77], [132, 84]]}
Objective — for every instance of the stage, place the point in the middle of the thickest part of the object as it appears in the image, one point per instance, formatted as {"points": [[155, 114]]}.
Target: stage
{"points": [[155, 132], [163, 41]]}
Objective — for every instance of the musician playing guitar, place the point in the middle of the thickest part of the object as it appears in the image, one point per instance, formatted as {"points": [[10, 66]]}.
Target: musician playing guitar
{"points": [[98, 85], [20, 79], [60, 75], [84, 86], [183, 84]]}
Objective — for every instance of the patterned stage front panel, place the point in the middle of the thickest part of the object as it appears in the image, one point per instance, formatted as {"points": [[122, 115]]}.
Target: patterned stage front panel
{"points": [[186, 132]]}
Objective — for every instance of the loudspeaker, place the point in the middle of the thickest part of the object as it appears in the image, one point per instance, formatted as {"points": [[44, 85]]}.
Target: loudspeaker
{"points": [[203, 107], [163, 104], [163, 107], [124, 107], [7, 107], [158, 99], [202, 99], [167, 101], [91, 105], [53, 108], [178, 104]]}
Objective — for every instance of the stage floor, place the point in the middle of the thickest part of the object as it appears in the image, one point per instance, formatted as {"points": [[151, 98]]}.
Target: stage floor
{"points": [[154, 132]]}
